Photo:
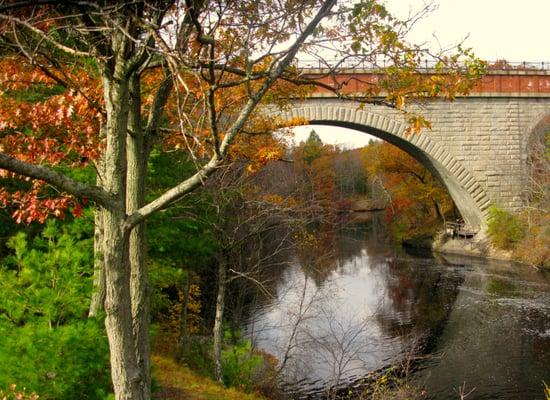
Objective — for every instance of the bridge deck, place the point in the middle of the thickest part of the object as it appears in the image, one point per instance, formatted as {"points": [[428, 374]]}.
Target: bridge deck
{"points": [[497, 83]]}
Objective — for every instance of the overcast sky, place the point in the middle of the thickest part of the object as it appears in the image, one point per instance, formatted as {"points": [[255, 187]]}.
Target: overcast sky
{"points": [[497, 29], [494, 29]]}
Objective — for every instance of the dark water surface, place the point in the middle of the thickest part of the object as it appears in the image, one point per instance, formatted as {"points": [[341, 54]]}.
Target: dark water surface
{"points": [[483, 324]]}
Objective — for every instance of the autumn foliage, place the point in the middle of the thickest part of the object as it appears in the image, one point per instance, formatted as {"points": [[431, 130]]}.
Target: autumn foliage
{"points": [[88, 90], [416, 200], [45, 123], [313, 163]]}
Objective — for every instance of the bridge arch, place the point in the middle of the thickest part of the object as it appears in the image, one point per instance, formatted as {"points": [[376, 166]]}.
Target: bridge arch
{"points": [[468, 195]]}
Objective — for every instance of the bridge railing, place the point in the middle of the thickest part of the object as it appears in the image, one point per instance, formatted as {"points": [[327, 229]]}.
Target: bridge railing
{"points": [[519, 65], [427, 65]]}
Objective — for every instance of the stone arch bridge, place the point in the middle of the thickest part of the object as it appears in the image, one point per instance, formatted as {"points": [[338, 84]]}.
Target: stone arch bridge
{"points": [[477, 145]]}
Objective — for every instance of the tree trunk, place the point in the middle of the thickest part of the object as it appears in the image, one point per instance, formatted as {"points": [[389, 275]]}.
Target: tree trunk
{"points": [[125, 371], [97, 303], [438, 212], [184, 339], [137, 155], [218, 321], [127, 374], [98, 296]]}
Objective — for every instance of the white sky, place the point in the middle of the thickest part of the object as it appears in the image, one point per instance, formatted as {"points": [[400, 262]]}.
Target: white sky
{"points": [[347, 138], [494, 29]]}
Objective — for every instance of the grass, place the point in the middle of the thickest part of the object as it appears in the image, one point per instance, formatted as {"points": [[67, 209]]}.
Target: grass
{"points": [[179, 382]]}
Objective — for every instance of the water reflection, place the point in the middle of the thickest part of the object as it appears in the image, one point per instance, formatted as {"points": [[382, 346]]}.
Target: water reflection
{"points": [[338, 315]]}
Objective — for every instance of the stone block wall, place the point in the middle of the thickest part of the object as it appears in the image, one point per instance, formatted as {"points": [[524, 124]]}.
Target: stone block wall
{"points": [[487, 135]]}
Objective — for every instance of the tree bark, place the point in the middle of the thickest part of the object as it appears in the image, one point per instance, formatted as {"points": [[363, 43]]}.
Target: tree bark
{"points": [[137, 156], [218, 320], [125, 371], [127, 376], [97, 304], [98, 297]]}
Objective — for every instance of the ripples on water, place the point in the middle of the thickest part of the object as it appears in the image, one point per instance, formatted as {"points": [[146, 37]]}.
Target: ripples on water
{"points": [[487, 323]]}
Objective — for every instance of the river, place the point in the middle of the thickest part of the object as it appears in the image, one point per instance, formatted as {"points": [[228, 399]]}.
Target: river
{"points": [[469, 323]]}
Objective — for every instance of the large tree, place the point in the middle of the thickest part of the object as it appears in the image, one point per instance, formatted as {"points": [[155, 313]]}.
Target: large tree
{"points": [[114, 78]]}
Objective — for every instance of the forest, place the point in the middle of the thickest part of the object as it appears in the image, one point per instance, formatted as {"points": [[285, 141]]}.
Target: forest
{"points": [[210, 256], [222, 239]]}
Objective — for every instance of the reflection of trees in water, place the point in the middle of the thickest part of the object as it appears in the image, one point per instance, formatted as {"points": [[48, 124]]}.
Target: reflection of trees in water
{"points": [[322, 248], [421, 298], [495, 337], [243, 295], [331, 337], [312, 249], [315, 252], [334, 247], [340, 343], [368, 235]]}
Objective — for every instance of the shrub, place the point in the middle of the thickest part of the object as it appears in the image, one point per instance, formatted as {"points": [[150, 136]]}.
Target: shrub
{"points": [[504, 229], [198, 355], [48, 278], [534, 248], [240, 365], [48, 343], [68, 362]]}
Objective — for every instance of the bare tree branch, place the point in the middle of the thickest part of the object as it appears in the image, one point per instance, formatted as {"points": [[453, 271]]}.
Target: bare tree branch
{"points": [[43, 35], [196, 180], [58, 180]]}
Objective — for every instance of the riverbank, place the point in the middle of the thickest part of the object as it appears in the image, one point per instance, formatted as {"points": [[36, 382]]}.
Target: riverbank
{"points": [[478, 246], [473, 247], [433, 238], [175, 381], [178, 382]]}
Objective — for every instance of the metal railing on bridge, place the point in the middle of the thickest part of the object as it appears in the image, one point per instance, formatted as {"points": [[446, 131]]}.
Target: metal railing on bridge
{"points": [[426, 65]]}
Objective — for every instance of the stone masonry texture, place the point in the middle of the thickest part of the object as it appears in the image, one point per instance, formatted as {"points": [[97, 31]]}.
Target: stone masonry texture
{"points": [[480, 142]]}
